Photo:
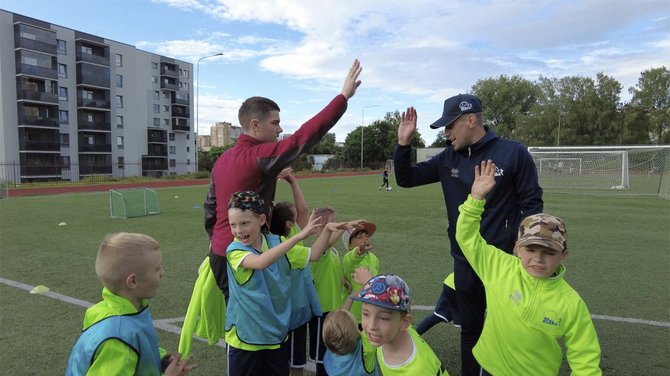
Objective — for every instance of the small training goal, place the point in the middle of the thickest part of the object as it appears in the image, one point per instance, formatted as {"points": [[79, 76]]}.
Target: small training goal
{"points": [[133, 202]]}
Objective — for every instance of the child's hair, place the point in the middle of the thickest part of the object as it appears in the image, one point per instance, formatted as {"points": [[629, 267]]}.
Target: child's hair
{"points": [[280, 214], [543, 229], [121, 254], [340, 332], [255, 108], [324, 211]]}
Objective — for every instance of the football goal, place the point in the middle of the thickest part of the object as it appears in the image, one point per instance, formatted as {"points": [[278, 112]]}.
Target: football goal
{"points": [[134, 202], [631, 169]]}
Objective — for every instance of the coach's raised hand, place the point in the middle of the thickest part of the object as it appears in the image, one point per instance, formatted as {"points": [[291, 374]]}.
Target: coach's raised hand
{"points": [[407, 126], [352, 82]]}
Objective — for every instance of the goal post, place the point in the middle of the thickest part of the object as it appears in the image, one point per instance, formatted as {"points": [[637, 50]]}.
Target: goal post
{"points": [[133, 202], [630, 169]]}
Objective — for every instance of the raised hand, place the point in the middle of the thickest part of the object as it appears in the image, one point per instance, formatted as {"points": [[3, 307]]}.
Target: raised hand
{"points": [[484, 180], [313, 223], [351, 83], [361, 276], [286, 174], [407, 126]]}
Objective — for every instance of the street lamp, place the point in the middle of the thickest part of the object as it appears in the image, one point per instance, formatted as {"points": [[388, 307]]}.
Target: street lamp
{"points": [[362, 121], [197, 104]]}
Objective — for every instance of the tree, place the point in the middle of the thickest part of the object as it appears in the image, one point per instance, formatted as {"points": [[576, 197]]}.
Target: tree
{"points": [[440, 140], [326, 145], [206, 159], [506, 101], [652, 92]]}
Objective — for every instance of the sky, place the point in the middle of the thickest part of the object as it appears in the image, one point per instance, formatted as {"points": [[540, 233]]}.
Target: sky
{"points": [[414, 53]]}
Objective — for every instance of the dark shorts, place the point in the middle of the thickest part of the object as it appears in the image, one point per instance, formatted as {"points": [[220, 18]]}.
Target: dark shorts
{"points": [[317, 349], [262, 362], [446, 307], [297, 346]]}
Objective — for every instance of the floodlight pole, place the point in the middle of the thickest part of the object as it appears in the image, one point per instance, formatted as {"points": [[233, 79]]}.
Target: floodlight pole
{"points": [[197, 104], [362, 127]]}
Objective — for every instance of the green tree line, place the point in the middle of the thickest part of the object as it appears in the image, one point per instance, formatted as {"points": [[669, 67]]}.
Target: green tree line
{"points": [[568, 111]]}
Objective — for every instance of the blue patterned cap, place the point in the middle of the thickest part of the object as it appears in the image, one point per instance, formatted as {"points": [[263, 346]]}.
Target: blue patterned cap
{"points": [[386, 291]]}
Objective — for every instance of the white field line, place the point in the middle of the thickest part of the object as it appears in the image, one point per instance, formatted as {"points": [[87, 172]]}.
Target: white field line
{"points": [[168, 324]]}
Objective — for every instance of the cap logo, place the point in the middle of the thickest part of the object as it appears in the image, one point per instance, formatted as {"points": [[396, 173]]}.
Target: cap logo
{"points": [[465, 106]]}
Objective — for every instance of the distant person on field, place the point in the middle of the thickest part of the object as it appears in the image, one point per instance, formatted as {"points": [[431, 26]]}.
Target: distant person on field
{"points": [[385, 179], [257, 158], [387, 318], [532, 310], [517, 195], [119, 337], [446, 308]]}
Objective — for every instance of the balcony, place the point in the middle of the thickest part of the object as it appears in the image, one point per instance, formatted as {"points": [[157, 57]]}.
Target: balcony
{"points": [[95, 148], [180, 125], [85, 125], [181, 111], [38, 121], [91, 58], [169, 71], [35, 45], [169, 86], [156, 150], [39, 146], [93, 103], [33, 70], [154, 136], [37, 96], [90, 80], [39, 171], [180, 101], [85, 169], [154, 163]]}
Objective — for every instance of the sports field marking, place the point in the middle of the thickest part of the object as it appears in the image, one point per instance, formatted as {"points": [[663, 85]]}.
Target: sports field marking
{"points": [[167, 324]]}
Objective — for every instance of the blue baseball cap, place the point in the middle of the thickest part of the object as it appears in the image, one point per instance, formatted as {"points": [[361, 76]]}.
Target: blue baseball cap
{"points": [[456, 106], [386, 291]]}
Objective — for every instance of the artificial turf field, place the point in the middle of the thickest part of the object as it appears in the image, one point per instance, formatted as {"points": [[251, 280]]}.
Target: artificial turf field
{"points": [[619, 263]]}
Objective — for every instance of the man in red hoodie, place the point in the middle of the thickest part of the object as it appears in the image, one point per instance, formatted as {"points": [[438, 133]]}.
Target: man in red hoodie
{"points": [[257, 158]]}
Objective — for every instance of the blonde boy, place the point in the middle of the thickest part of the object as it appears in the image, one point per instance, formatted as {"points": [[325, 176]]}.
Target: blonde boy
{"points": [[386, 318], [118, 335], [530, 306], [350, 352]]}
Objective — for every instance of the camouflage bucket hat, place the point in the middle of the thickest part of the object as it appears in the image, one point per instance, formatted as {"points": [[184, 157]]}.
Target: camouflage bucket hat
{"points": [[543, 229], [386, 291]]}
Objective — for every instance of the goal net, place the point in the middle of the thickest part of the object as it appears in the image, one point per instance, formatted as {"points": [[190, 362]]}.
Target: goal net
{"points": [[134, 202], [630, 169]]}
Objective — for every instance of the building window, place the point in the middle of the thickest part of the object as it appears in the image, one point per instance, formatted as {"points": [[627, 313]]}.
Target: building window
{"points": [[119, 142], [173, 162], [119, 60], [157, 95], [154, 79], [65, 161], [166, 122], [62, 70], [171, 136], [119, 121], [62, 47], [173, 150], [62, 93], [157, 108], [119, 80], [63, 117], [87, 94], [120, 162], [157, 121], [188, 162], [188, 136], [166, 108], [87, 50], [65, 140], [119, 101], [154, 65], [166, 95]]}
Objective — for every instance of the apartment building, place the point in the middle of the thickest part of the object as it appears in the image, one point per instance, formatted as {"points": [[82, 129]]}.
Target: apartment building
{"points": [[75, 105], [224, 133]]}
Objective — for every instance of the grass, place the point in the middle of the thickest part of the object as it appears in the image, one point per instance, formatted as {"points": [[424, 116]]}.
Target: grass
{"points": [[620, 253]]}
